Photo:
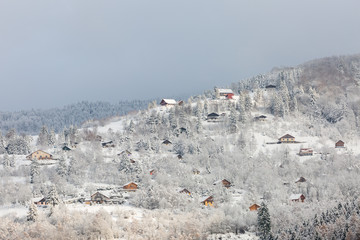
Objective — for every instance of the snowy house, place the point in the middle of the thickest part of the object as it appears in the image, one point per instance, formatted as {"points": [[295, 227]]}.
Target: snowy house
{"points": [[270, 87], [297, 197], [40, 201], [185, 191], [166, 142], [168, 102], [339, 144], [66, 148], [39, 155], [152, 171], [208, 201], [306, 152], [254, 207], [212, 116], [130, 186], [99, 198], [108, 144], [125, 152], [287, 139], [224, 182], [224, 93], [301, 180], [260, 118]]}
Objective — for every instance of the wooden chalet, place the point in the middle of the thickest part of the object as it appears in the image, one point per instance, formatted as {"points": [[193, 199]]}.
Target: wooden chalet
{"points": [[208, 201], [99, 198], [185, 191], [339, 144], [108, 144], [168, 102], [166, 142], [254, 207], [224, 93], [130, 186], [306, 152], [297, 197], [212, 116], [40, 155], [41, 201], [224, 182], [301, 180], [287, 139]]}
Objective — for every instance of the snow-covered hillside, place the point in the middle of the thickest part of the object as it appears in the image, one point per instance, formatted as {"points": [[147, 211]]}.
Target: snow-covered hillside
{"points": [[189, 171]]}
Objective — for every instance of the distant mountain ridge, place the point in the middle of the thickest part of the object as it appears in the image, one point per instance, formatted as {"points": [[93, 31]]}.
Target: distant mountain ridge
{"points": [[31, 121]]}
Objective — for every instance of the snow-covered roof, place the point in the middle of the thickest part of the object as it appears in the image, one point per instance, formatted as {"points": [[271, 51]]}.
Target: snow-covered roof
{"points": [[129, 183], [203, 199], [295, 196], [224, 91], [169, 101], [287, 136]]}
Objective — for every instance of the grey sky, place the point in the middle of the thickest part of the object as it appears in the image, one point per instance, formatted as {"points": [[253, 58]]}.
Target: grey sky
{"points": [[53, 53]]}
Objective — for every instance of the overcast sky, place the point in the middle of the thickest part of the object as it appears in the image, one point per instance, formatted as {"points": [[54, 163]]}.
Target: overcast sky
{"points": [[54, 53]]}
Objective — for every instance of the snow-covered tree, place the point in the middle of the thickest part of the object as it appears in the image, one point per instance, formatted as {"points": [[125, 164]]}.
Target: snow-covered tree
{"points": [[263, 222], [34, 171], [32, 214], [53, 197]]}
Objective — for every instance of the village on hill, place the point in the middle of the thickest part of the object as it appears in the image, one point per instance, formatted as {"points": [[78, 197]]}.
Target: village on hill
{"points": [[224, 150]]}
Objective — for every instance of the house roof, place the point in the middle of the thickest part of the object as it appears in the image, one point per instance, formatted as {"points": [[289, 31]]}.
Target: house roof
{"points": [[203, 199], [295, 196], [224, 91], [166, 142], [213, 115], [339, 141], [169, 101], [287, 136], [129, 183]]}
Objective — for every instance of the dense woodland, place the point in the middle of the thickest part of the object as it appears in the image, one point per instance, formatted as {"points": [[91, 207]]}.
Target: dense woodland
{"points": [[235, 147], [31, 121]]}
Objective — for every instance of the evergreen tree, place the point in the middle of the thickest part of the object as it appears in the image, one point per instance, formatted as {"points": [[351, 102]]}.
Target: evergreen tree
{"points": [[6, 161], [32, 214], [43, 138], [62, 168], [233, 121], [34, 171], [263, 222]]}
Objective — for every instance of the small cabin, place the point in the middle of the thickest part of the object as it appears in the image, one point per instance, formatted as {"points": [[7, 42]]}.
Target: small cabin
{"points": [[306, 152], [212, 116], [254, 207], [179, 156], [224, 93], [41, 201], [339, 144], [185, 191], [301, 180], [99, 198], [287, 139], [208, 201], [168, 102], [260, 118], [108, 144], [131, 186], [196, 171], [66, 148], [39, 155], [166, 142], [297, 198], [152, 172], [224, 182]]}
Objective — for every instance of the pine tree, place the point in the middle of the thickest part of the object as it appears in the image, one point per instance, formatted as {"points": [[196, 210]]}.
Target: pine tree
{"points": [[263, 222], [32, 214], [43, 139], [62, 168], [34, 171], [233, 121], [6, 161]]}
